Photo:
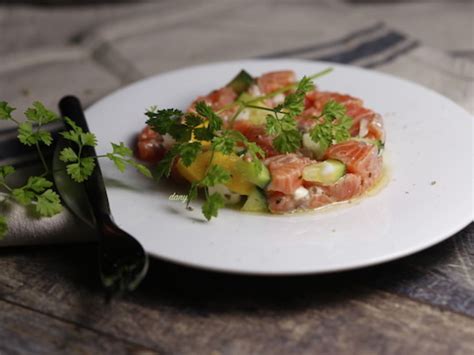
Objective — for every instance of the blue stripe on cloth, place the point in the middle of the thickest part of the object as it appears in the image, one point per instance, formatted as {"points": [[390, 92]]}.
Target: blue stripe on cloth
{"points": [[315, 47], [365, 49]]}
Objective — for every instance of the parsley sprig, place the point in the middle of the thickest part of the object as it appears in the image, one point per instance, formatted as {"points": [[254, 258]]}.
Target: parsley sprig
{"points": [[37, 192]]}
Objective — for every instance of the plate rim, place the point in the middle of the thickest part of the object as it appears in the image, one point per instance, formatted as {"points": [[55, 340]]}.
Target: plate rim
{"points": [[453, 230]]}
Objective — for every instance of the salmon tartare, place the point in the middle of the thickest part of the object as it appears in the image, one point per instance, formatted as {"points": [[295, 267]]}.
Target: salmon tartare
{"points": [[268, 144]]}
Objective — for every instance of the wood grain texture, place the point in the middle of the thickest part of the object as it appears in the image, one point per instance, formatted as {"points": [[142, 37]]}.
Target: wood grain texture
{"points": [[181, 310], [24, 331], [442, 275]]}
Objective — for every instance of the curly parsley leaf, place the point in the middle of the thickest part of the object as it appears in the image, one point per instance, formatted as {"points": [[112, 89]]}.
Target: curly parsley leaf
{"points": [[6, 111], [211, 206]]}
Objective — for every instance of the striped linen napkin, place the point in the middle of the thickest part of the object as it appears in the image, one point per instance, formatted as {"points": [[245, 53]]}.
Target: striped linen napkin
{"points": [[372, 45]]}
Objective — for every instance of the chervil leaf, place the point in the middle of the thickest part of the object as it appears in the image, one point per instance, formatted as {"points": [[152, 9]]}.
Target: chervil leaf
{"points": [[44, 136], [74, 134], [40, 114], [121, 149], [81, 170], [38, 184], [68, 155], [119, 162], [141, 168], [26, 134], [88, 139], [5, 171], [216, 175], [23, 196], [3, 226], [6, 110], [211, 207], [48, 203]]}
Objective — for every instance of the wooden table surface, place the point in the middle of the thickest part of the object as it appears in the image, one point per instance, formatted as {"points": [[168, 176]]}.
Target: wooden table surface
{"points": [[51, 300]]}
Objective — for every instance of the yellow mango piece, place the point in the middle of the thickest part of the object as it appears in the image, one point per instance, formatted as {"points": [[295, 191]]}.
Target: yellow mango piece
{"points": [[197, 169]]}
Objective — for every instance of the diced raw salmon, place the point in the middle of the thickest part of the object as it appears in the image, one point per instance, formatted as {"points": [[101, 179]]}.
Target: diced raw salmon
{"points": [[272, 81], [364, 120], [256, 134], [149, 146], [280, 203], [218, 99], [360, 158], [286, 172]]}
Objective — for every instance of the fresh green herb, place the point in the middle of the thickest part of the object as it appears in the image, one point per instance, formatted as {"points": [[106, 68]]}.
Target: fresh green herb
{"points": [[215, 175], [121, 156], [38, 191], [335, 126], [212, 205], [282, 123], [6, 111], [206, 125]]}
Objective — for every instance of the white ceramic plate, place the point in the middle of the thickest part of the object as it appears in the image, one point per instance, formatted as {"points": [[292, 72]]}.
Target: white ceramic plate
{"points": [[428, 196]]}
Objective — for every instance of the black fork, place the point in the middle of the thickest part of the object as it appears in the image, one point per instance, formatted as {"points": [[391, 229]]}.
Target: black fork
{"points": [[122, 260]]}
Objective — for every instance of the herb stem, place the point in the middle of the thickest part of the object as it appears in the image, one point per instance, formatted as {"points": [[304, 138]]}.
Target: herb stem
{"points": [[274, 93], [260, 107], [6, 186], [43, 161], [234, 117]]}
